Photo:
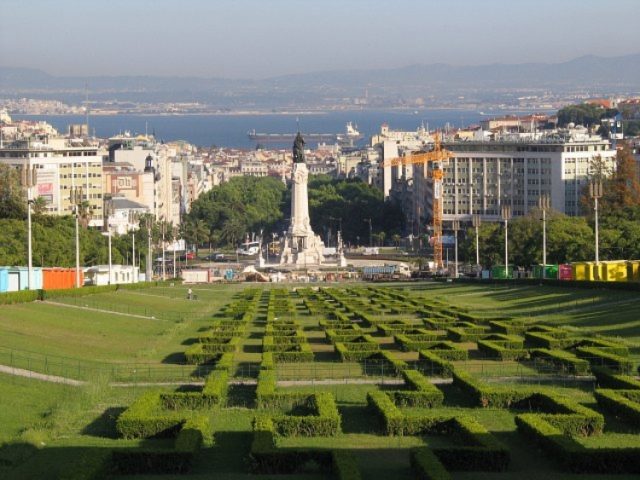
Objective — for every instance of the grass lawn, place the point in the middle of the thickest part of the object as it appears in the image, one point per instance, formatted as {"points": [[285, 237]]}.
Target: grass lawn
{"points": [[55, 431]]}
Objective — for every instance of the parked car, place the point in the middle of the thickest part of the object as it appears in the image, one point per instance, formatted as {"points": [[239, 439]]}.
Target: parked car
{"points": [[215, 257]]}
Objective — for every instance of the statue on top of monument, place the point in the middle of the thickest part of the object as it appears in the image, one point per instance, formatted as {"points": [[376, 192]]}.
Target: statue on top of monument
{"points": [[298, 149]]}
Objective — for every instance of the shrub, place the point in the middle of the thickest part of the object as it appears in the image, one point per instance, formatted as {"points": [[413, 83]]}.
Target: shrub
{"points": [[497, 350], [624, 404], [323, 421], [421, 392], [216, 387], [601, 358], [448, 351], [23, 296], [433, 364], [146, 418], [294, 353], [565, 361], [573, 455], [426, 466], [345, 465], [194, 433], [608, 379]]}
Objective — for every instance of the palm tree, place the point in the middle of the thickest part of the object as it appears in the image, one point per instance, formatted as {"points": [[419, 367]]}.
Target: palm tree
{"points": [[39, 206], [85, 212], [195, 232], [396, 240]]}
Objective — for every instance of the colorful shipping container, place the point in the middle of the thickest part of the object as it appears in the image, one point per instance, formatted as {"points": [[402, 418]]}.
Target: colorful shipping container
{"points": [[550, 271], [565, 272], [60, 278]]}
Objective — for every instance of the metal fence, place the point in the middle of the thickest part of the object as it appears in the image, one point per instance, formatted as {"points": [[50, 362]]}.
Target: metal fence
{"points": [[367, 371]]}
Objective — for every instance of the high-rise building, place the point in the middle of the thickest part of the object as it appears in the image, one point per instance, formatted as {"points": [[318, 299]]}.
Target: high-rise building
{"points": [[513, 170], [61, 164]]}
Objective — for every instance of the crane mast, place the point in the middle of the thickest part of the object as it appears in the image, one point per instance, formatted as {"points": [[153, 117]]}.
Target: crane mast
{"points": [[436, 157]]}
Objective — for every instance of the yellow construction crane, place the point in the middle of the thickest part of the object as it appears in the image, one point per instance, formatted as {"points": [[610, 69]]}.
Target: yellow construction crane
{"points": [[437, 156]]}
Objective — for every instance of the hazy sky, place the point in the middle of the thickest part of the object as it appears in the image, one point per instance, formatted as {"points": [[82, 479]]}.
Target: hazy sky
{"points": [[261, 38]]}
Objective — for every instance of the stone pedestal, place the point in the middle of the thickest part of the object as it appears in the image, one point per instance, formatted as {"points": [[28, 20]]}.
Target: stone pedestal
{"points": [[301, 246]]}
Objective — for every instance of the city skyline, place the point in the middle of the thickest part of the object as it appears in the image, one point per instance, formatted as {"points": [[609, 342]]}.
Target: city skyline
{"points": [[252, 39]]}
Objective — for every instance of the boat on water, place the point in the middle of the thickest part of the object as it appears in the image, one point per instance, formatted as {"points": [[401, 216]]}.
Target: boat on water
{"points": [[349, 136]]}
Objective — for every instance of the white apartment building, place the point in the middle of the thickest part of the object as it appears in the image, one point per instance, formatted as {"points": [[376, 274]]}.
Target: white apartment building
{"points": [[513, 170], [61, 164]]}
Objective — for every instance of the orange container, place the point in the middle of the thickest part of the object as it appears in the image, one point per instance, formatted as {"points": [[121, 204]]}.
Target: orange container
{"points": [[60, 278]]}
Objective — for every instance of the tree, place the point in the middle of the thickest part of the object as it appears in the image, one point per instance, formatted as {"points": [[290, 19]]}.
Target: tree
{"points": [[195, 231], [85, 212], [624, 185], [13, 202], [39, 206]]}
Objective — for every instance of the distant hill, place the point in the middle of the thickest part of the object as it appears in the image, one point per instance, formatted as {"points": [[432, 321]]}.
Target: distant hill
{"points": [[590, 72]]}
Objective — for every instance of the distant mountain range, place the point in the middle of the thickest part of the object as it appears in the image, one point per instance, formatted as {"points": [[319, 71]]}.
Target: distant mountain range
{"points": [[621, 74]]}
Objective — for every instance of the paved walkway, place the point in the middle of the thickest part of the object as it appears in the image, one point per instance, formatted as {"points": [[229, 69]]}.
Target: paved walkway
{"points": [[59, 304]]}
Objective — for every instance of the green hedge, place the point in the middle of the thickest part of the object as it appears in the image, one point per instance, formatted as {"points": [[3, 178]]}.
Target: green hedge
{"points": [[432, 364], [480, 450], [448, 351], [345, 465], [23, 296], [489, 396], [147, 461], [147, 417], [265, 458], [294, 353], [510, 327], [575, 457], [459, 334], [565, 361], [425, 465], [323, 421], [601, 358], [497, 350], [421, 392], [545, 340], [195, 433], [605, 345], [608, 379], [268, 397], [201, 353], [624, 404]]}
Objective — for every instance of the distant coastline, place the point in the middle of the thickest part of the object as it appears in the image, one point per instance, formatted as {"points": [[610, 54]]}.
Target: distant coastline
{"points": [[229, 129]]}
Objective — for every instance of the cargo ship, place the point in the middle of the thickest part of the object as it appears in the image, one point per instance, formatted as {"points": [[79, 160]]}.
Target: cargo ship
{"points": [[350, 135]]}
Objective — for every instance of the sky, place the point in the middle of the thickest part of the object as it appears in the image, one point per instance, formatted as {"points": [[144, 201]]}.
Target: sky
{"points": [[266, 38]]}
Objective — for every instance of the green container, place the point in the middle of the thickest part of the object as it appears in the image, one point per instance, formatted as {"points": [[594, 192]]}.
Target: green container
{"points": [[551, 271], [500, 272]]}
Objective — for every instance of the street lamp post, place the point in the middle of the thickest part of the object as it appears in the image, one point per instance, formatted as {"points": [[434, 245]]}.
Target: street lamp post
{"points": [[29, 245], [595, 192], [76, 198], [456, 226], [174, 233], [28, 180], [544, 203], [110, 263], [506, 215], [164, 271], [475, 220], [149, 252]]}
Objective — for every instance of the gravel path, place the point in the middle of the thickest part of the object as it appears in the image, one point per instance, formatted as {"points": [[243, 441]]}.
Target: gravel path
{"points": [[58, 304], [20, 372]]}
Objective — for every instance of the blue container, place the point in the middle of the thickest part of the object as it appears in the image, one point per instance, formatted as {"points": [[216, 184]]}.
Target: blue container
{"points": [[23, 274], [4, 279]]}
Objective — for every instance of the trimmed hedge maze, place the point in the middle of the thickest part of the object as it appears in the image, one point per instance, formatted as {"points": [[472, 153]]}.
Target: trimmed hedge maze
{"points": [[394, 363]]}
